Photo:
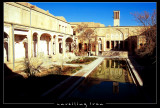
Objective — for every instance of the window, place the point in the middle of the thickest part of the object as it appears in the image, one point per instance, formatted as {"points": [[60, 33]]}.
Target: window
{"points": [[121, 44], [59, 27], [141, 45], [116, 63], [62, 28], [116, 15], [121, 37], [112, 36], [117, 36], [126, 45], [80, 46], [107, 44], [107, 63], [89, 47], [100, 47], [112, 64], [93, 47], [112, 44], [65, 29], [107, 36], [74, 32], [85, 47], [116, 44]]}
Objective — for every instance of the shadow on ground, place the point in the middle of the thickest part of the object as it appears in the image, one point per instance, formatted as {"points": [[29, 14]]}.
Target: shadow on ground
{"points": [[148, 75], [20, 90], [17, 89]]}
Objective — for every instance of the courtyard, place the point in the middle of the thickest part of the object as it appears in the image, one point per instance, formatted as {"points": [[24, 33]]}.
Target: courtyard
{"points": [[54, 85], [48, 59]]}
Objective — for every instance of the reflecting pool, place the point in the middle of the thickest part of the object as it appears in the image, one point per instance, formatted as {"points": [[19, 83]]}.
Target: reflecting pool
{"points": [[110, 82]]}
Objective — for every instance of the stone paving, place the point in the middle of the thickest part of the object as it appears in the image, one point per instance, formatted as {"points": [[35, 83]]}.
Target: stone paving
{"points": [[67, 85]]}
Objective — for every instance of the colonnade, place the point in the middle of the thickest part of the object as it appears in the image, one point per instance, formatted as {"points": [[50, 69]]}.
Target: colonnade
{"points": [[33, 42]]}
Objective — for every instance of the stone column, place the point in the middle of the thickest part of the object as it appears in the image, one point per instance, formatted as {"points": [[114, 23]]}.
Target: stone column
{"points": [[97, 49], [29, 38], [110, 44], [104, 45], [38, 44], [51, 52], [10, 45], [91, 48], [110, 64], [64, 45], [114, 44], [77, 44], [56, 45], [119, 44]]}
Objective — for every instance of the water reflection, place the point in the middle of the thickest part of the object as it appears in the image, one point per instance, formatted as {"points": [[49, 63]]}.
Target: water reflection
{"points": [[109, 70], [110, 81], [112, 70], [115, 87]]}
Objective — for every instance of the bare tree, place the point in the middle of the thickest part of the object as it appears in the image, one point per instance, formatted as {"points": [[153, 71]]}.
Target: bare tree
{"points": [[86, 33], [148, 20]]}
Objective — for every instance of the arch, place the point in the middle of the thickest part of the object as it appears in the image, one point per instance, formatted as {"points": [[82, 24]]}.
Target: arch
{"points": [[80, 47], [35, 34], [54, 36], [6, 35], [21, 47], [99, 39], [35, 46], [99, 45], [121, 35], [45, 36], [117, 34], [45, 43], [85, 46], [69, 41], [120, 31], [5, 38], [117, 39]]}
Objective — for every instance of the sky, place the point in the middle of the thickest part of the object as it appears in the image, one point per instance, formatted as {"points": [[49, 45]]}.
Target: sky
{"points": [[98, 12]]}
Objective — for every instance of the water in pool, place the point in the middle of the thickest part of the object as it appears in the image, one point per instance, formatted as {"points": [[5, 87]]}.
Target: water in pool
{"points": [[110, 82]]}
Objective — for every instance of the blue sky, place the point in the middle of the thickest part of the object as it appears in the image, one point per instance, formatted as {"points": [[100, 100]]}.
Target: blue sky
{"points": [[99, 12]]}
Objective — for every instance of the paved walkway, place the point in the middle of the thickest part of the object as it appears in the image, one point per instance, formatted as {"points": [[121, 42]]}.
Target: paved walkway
{"points": [[137, 66], [67, 85]]}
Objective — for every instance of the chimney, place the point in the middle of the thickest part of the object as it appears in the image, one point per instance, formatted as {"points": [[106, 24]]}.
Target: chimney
{"points": [[47, 11], [116, 18]]}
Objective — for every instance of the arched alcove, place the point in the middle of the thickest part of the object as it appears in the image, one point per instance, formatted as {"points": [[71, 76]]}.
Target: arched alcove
{"points": [[45, 41], [5, 40], [35, 46], [69, 41]]}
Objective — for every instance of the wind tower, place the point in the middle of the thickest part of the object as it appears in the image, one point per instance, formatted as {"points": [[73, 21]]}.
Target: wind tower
{"points": [[116, 18]]}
